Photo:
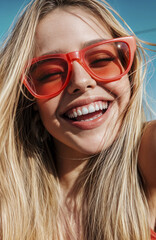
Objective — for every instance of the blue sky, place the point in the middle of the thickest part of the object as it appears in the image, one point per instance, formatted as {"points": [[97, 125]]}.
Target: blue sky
{"points": [[139, 14]]}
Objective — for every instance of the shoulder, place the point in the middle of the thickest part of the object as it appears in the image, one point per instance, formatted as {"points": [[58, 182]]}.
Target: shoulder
{"points": [[147, 154], [148, 140]]}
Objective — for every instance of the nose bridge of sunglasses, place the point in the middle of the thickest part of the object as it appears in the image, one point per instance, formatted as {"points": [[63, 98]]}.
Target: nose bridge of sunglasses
{"points": [[74, 56]]}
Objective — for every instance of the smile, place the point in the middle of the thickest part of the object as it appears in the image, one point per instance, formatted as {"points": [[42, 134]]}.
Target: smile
{"points": [[88, 116], [88, 112]]}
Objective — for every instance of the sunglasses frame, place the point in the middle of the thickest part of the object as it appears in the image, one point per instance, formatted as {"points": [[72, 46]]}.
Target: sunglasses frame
{"points": [[79, 57]]}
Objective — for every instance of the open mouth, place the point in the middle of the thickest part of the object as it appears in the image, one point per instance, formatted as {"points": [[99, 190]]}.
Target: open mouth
{"points": [[88, 112]]}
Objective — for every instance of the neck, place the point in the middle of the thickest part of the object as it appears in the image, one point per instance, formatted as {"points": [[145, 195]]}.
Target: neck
{"points": [[69, 164], [68, 170]]}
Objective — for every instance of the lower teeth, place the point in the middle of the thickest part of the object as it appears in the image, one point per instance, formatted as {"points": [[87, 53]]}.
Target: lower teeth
{"points": [[90, 119]]}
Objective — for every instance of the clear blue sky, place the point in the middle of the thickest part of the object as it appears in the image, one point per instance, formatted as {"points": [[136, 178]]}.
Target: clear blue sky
{"points": [[139, 14]]}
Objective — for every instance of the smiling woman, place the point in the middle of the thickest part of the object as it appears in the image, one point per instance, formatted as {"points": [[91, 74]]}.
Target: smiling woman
{"points": [[76, 162]]}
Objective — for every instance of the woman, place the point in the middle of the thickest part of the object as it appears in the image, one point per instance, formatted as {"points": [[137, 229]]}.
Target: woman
{"points": [[77, 158]]}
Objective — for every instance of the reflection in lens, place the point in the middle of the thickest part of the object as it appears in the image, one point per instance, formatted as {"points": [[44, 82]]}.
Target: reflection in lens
{"points": [[123, 54]]}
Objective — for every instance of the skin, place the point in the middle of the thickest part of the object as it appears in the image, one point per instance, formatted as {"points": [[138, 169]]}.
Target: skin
{"points": [[147, 163], [67, 30]]}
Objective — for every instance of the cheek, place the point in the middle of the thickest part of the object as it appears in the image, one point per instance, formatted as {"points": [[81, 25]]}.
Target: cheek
{"points": [[48, 111], [120, 90]]}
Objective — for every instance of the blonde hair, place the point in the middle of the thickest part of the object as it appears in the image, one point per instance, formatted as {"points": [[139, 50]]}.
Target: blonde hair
{"points": [[112, 202]]}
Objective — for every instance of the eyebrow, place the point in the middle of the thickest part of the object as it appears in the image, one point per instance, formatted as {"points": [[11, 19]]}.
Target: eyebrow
{"points": [[88, 43], [84, 45]]}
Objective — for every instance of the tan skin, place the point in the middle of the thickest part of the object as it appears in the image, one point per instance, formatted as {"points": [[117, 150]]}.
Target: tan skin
{"points": [[70, 142], [147, 163]]}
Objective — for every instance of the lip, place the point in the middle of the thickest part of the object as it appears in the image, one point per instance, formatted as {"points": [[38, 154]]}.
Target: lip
{"points": [[88, 125], [83, 102]]}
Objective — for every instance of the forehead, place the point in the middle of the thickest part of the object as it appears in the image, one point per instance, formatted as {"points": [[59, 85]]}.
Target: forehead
{"points": [[67, 29]]}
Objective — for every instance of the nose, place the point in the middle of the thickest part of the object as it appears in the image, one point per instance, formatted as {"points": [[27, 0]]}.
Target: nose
{"points": [[80, 80]]}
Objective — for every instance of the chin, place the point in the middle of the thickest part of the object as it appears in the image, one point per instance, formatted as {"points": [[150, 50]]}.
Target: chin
{"points": [[91, 149]]}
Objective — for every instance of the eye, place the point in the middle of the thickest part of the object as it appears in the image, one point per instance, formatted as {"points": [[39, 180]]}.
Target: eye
{"points": [[101, 61], [48, 77], [46, 72]]}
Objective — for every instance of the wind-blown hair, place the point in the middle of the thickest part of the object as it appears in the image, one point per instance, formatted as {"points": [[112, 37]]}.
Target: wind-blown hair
{"points": [[109, 193]]}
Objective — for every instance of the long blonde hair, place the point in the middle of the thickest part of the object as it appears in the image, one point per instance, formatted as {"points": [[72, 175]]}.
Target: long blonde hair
{"points": [[111, 197]]}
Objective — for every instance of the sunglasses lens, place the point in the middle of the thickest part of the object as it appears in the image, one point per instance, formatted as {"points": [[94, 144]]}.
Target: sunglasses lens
{"points": [[47, 76], [108, 60]]}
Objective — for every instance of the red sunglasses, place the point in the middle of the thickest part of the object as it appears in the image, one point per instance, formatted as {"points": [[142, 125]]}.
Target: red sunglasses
{"points": [[105, 61]]}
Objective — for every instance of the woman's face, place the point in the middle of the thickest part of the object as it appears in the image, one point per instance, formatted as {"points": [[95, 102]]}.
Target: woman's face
{"points": [[67, 30]]}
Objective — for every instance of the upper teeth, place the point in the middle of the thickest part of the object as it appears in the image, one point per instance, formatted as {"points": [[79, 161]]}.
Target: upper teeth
{"points": [[91, 108]]}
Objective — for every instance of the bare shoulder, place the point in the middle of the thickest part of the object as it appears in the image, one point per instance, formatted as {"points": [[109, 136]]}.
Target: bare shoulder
{"points": [[147, 154]]}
